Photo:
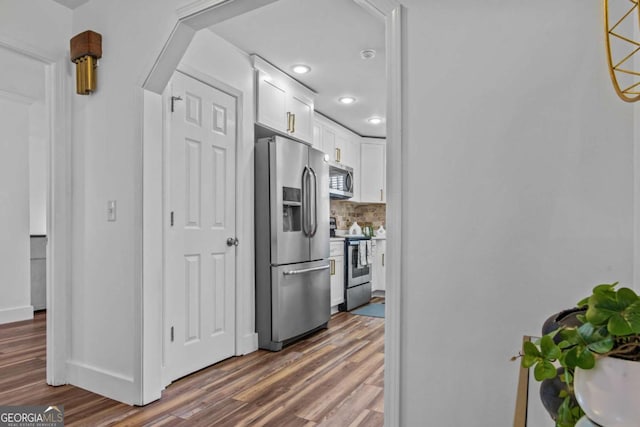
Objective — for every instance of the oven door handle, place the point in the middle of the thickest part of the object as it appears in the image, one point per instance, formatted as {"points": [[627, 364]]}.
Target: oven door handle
{"points": [[305, 270]]}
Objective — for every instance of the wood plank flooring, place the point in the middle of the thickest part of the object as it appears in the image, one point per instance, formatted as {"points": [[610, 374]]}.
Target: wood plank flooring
{"points": [[333, 378]]}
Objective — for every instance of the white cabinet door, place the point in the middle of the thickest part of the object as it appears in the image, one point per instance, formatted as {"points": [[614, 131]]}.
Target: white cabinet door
{"points": [[372, 172], [378, 274], [337, 280], [302, 122], [336, 271], [272, 104], [317, 137], [329, 143], [283, 104], [355, 163]]}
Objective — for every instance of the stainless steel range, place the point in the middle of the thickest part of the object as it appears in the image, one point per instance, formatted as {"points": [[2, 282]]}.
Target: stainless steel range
{"points": [[357, 272]]}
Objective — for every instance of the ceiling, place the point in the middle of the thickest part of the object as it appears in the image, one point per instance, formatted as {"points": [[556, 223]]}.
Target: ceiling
{"points": [[328, 36], [71, 4]]}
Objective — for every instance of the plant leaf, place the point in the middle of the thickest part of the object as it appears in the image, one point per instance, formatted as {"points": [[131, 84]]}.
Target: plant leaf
{"points": [[626, 322], [626, 296], [548, 348], [602, 306], [618, 325], [529, 360], [570, 359], [586, 331], [602, 346], [530, 349], [586, 359], [544, 370]]}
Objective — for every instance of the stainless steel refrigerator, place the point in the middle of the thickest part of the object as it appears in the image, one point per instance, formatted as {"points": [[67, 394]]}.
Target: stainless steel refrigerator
{"points": [[292, 241]]}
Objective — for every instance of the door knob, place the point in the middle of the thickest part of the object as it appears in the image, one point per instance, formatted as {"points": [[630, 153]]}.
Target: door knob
{"points": [[233, 241]]}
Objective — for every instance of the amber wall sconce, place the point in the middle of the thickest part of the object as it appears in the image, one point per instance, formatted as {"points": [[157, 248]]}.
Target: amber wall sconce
{"points": [[86, 49]]}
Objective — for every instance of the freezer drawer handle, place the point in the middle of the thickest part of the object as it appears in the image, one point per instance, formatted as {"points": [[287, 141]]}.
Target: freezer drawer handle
{"points": [[306, 270]]}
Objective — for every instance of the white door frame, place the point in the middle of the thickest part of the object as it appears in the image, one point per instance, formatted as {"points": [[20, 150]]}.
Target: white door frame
{"points": [[57, 101], [200, 14]]}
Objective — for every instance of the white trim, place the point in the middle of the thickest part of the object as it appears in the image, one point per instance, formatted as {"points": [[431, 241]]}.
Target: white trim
{"points": [[58, 222], [396, 209], [106, 383], [195, 7], [16, 314], [33, 52]]}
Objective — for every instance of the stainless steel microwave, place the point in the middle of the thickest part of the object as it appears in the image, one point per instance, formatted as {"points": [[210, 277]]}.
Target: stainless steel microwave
{"points": [[340, 182]]}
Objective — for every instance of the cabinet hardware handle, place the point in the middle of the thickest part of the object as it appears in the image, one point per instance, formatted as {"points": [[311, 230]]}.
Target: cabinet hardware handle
{"points": [[288, 121], [383, 260], [333, 267], [293, 123], [381, 199], [338, 154]]}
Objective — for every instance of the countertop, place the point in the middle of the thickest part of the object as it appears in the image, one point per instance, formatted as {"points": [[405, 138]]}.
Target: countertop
{"points": [[341, 238]]}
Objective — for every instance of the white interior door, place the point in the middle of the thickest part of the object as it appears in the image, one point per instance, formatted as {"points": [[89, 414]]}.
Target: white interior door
{"points": [[200, 265]]}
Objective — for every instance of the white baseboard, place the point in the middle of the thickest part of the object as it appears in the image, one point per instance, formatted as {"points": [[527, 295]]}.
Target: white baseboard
{"points": [[103, 382], [16, 314]]}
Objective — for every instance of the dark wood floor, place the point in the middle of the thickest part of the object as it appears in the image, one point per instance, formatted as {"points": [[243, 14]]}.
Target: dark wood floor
{"points": [[333, 378]]}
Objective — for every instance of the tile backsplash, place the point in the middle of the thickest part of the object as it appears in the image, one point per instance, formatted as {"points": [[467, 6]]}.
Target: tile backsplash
{"points": [[347, 212]]}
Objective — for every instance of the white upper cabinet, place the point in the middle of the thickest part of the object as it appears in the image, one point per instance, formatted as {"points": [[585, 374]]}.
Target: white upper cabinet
{"points": [[283, 104], [373, 171], [342, 146], [317, 137]]}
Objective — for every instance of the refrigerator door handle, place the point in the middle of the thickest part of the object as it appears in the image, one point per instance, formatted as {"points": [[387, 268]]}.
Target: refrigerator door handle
{"points": [[305, 270], [305, 204], [315, 202]]}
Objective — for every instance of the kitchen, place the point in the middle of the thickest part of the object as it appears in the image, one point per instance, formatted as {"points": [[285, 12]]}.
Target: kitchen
{"points": [[337, 93]]}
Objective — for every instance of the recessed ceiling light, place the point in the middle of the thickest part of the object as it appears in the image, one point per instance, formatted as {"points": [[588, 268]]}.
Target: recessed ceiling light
{"points": [[347, 99], [301, 69], [375, 120]]}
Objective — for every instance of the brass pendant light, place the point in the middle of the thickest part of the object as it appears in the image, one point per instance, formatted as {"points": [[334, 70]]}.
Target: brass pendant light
{"points": [[621, 19]]}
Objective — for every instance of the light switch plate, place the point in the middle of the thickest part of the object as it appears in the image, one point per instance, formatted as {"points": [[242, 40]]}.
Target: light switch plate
{"points": [[111, 210]]}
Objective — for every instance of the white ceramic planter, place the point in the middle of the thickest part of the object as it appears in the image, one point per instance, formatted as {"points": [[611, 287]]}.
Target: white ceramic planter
{"points": [[610, 393]]}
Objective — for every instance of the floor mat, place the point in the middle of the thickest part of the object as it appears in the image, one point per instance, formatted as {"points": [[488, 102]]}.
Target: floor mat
{"points": [[372, 310]]}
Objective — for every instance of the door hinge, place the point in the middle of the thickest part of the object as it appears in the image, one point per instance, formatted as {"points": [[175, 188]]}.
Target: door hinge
{"points": [[172, 218], [173, 100], [172, 334]]}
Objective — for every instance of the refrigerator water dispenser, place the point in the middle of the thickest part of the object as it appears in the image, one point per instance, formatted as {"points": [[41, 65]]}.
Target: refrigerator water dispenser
{"points": [[291, 209]]}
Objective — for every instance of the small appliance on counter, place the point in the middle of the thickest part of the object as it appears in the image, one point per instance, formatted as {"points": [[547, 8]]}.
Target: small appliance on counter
{"points": [[332, 226]]}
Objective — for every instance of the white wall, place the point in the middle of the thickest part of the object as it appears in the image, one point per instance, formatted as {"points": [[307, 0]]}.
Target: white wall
{"points": [[15, 276], [42, 25], [106, 291], [519, 196], [38, 167]]}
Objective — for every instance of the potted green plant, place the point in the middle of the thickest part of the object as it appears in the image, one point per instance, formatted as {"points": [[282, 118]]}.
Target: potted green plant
{"points": [[597, 360]]}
